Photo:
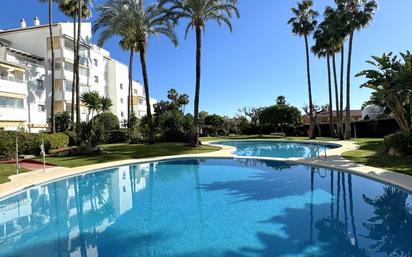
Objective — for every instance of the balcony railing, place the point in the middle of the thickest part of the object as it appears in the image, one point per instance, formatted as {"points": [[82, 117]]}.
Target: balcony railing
{"points": [[12, 79]]}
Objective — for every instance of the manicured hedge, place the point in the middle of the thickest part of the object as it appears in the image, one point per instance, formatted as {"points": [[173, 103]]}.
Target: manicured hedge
{"points": [[399, 144], [29, 143]]}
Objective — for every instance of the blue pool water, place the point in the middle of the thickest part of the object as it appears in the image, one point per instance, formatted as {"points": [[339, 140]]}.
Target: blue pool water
{"points": [[208, 207], [279, 149]]}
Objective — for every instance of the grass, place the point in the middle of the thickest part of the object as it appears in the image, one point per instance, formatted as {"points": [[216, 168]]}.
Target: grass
{"points": [[6, 170], [119, 152], [372, 152]]}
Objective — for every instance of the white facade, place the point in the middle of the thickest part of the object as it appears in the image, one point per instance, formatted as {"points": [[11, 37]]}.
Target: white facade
{"points": [[21, 77]]}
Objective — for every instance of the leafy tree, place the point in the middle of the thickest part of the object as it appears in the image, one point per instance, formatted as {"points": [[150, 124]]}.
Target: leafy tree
{"points": [[108, 120], [92, 101], [303, 24], [281, 116], [384, 79], [199, 12]]}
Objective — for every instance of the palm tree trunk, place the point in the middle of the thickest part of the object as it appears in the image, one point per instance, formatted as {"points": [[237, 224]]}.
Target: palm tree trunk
{"points": [[198, 77], [348, 129], [410, 109], [130, 97], [53, 116], [74, 74], [76, 68], [342, 63], [146, 89], [311, 127], [332, 129], [338, 126]]}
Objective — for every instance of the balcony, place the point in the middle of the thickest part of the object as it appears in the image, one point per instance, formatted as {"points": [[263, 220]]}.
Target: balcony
{"points": [[12, 85]]}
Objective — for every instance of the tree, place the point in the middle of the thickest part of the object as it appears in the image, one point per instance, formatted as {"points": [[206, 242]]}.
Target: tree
{"points": [[51, 43], [130, 18], [92, 101], [303, 24], [384, 79], [70, 8], [112, 22], [358, 14], [63, 121], [105, 104], [323, 48], [199, 12]]}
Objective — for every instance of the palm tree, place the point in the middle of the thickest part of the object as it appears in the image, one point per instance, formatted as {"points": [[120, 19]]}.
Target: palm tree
{"points": [[53, 116], [105, 104], [109, 14], [70, 8], [131, 20], [358, 14], [92, 101], [199, 12], [303, 24], [322, 48]]}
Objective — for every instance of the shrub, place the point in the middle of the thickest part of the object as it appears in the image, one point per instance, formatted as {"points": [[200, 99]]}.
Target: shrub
{"points": [[116, 136], [108, 120], [92, 133], [28, 144], [399, 144], [73, 140], [55, 141], [63, 121]]}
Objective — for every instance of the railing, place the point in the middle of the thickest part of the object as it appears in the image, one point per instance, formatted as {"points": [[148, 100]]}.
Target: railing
{"points": [[12, 79]]}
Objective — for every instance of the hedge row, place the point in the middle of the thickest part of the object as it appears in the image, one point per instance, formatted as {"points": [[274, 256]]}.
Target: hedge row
{"points": [[399, 144], [29, 143]]}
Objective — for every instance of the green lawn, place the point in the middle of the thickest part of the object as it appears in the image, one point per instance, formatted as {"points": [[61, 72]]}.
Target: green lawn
{"points": [[119, 152], [372, 153], [7, 170]]}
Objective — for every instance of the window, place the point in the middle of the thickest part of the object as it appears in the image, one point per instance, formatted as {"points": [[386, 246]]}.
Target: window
{"points": [[83, 71], [41, 108], [11, 102], [68, 66], [121, 100], [69, 86], [95, 62], [122, 114], [135, 91], [121, 86], [39, 84], [141, 101], [96, 79]]}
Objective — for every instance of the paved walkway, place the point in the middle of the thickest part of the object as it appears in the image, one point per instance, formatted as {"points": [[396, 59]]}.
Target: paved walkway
{"points": [[333, 160]]}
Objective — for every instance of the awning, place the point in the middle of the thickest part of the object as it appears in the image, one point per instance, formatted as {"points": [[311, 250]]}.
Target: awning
{"points": [[12, 66]]}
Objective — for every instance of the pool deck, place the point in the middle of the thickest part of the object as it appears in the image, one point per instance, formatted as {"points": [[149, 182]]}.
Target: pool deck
{"points": [[333, 160]]}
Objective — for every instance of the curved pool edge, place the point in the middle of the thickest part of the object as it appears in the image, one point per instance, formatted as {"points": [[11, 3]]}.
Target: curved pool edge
{"points": [[334, 161]]}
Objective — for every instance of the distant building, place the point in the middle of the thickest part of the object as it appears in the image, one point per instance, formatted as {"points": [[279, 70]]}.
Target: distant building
{"points": [[323, 118], [25, 75]]}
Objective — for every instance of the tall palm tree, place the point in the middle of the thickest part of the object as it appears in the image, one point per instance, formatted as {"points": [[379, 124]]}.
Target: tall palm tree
{"points": [[105, 104], [52, 114], [358, 14], [109, 15], [92, 101], [132, 20], [70, 8], [199, 12], [322, 48], [303, 24]]}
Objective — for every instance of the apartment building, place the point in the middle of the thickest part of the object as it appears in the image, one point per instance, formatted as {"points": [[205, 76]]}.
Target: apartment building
{"points": [[25, 81]]}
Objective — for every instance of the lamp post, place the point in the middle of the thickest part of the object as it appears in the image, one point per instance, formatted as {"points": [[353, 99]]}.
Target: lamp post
{"points": [[17, 149]]}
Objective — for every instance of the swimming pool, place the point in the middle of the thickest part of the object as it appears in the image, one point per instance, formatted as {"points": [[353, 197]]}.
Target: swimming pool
{"points": [[278, 149], [208, 207]]}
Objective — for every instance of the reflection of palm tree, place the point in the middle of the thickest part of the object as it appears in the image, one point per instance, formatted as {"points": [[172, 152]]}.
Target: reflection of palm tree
{"points": [[391, 226], [352, 216]]}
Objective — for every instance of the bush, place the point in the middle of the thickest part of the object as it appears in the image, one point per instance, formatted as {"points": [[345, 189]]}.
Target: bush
{"points": [[108, 120], [399, 144], [116, 136], [55, 141], [92, 133], [73, 140], [28, 144]]}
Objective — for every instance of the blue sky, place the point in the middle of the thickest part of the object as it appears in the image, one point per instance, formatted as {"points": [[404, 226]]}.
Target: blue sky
{"points": [[251, 66]]}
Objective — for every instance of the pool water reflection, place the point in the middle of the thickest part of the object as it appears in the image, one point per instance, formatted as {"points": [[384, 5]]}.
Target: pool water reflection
{"points": [[279, 149], [208, 207]]}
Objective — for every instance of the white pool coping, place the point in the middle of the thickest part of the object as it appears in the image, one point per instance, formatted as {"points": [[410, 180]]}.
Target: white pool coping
{"points": [[333, 160]]}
